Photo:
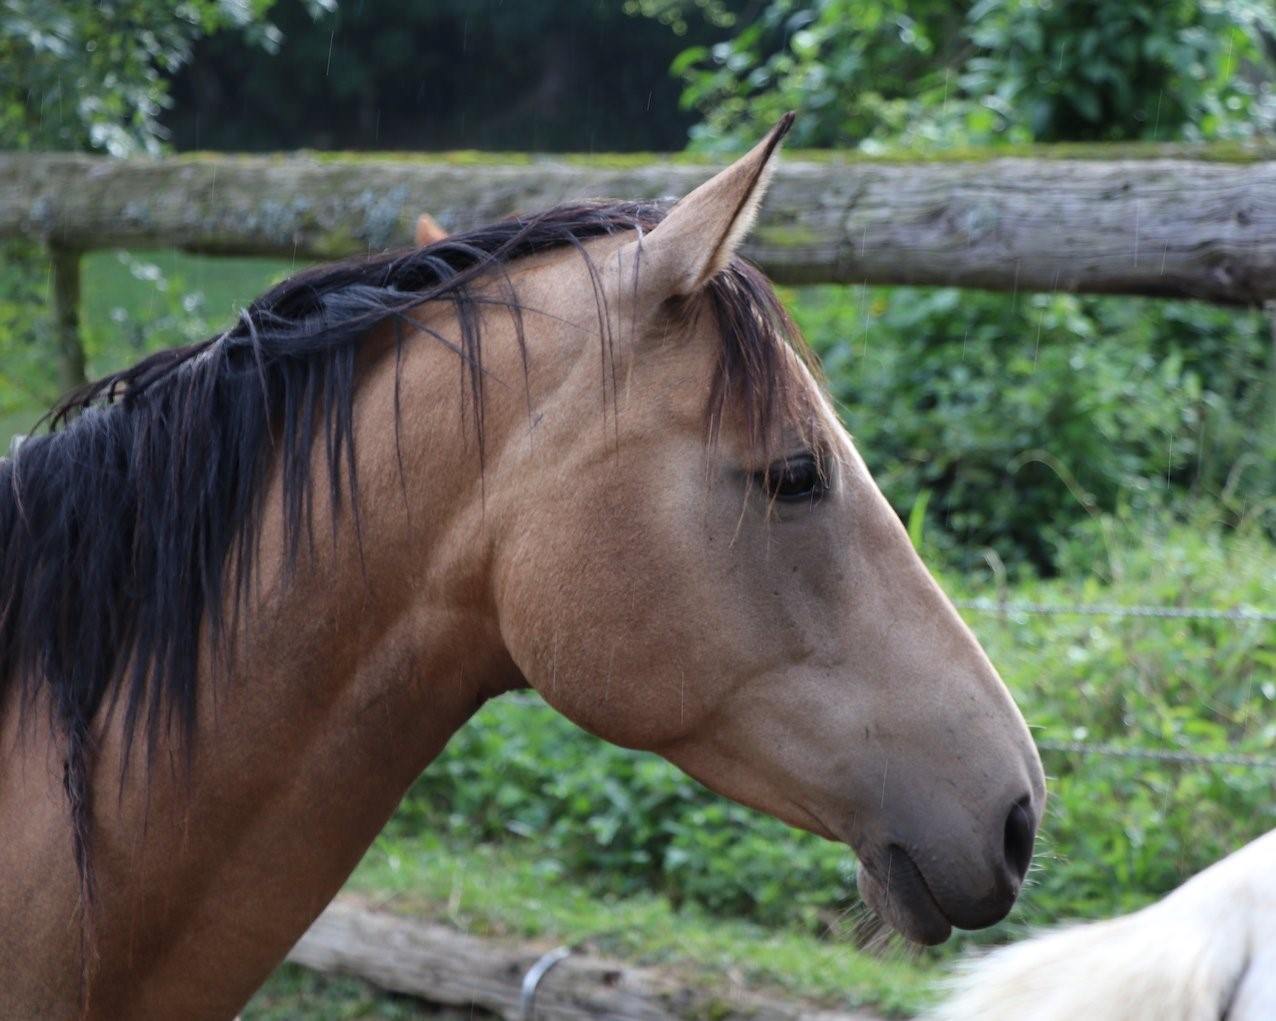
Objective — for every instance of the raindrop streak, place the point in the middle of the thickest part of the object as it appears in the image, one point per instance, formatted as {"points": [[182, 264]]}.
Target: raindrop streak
{"points": [[1036, 351], [864, 310], [1137, 211], [1200, 447], [1036, 347]]}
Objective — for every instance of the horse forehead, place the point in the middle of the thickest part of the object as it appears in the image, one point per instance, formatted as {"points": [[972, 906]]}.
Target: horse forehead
{"points": [[665, 355], [590, 293]]}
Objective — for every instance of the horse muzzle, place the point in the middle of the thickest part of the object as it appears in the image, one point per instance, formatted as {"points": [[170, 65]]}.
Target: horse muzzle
{"points": [[924, 902]]}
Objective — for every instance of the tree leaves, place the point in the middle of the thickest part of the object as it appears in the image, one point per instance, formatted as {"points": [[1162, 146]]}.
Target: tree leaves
{"points": [[874, 72]]}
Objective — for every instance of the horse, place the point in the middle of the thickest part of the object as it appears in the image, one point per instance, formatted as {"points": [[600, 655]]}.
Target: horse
{"points": [[251, 587], [1206, 952]]}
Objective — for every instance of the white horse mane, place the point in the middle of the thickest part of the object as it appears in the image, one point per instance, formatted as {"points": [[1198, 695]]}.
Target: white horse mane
{"points": [[1206, 952]]}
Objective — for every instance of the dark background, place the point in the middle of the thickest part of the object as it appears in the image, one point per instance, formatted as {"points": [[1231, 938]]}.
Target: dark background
{"points": [[482, 74]]}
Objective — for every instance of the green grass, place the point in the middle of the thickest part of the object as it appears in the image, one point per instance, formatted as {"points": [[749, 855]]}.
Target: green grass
{"points": [[518, 891], [294, 992], [136, 302], [133, 303], [115, 280]]}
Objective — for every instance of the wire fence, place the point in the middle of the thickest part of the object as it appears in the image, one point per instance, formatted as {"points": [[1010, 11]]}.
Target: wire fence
{"points": [[1174, 756], [1007, 608]]}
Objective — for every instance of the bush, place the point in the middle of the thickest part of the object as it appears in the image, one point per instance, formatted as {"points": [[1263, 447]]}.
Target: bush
{"points": [[630, 822], [1018, 417], [1121, 830], [876, 73]]}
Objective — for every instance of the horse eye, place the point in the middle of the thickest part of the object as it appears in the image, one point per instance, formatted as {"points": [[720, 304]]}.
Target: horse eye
{"points": [[795, 480]]}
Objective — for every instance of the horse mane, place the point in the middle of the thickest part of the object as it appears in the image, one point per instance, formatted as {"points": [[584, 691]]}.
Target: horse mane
{"points": [[128, 526]]}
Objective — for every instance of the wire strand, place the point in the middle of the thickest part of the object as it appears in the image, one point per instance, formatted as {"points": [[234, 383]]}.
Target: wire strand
{"points": [[1104, 610]]}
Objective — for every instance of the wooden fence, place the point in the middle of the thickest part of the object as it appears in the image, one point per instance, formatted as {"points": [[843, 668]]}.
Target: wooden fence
{"points": [[516, 980], [1175, 222], [1164, 226]]}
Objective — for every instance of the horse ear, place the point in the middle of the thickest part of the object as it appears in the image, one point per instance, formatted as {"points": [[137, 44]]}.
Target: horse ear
{"points": [[428, 231], [698, 237]]}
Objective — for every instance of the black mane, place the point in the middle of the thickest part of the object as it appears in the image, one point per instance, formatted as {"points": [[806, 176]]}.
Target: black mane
{"points": [[128, 528]]}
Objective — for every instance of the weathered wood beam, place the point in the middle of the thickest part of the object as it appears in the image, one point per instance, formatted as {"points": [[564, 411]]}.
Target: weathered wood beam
{"points": [[1161, 226], [443, 966]]}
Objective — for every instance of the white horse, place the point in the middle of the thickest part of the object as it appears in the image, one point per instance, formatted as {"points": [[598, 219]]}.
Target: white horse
{"points": [[1207, 952]]}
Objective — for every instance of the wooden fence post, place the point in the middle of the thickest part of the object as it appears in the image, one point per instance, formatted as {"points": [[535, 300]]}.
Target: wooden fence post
{"points": [[65, 263]]}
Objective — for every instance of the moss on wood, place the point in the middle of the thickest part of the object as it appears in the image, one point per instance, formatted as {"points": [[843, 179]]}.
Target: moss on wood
{"points": [[1227, 151]]}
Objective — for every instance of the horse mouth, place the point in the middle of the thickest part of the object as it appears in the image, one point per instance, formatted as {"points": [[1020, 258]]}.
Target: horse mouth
{"points": [[897, 892]]}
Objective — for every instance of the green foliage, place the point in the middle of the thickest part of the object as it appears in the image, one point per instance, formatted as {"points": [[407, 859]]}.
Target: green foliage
{"points": [[841, 63], [93, 75], [76, 75], [931, 72], [1117, 834], [631, 822], [1119, 831], [1019, 417], [28, 382], [677, 14], [1123, 69]]}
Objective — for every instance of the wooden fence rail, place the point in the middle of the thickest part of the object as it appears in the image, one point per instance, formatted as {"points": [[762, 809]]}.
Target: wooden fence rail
{"points": [[1173, 224], [1161, 226]]}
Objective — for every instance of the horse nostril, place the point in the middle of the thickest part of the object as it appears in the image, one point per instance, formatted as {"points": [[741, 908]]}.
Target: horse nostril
{"points": [[1020, 830]]}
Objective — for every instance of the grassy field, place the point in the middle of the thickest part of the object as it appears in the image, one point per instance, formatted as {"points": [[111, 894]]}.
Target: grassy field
{"points": [[122, 280], [138, 301]]}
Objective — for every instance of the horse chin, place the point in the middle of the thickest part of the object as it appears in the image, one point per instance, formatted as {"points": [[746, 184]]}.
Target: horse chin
{"points": [[902, 899]]}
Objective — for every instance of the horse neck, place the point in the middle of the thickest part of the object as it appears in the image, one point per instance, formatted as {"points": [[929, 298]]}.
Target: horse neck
{"points": [[350, 674]]}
